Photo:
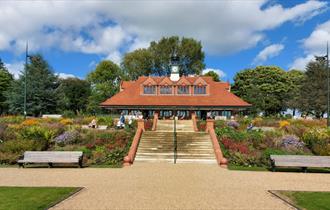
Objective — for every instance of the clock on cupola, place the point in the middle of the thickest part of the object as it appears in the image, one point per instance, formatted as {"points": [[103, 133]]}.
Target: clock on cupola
{"points": [[175, 76]]}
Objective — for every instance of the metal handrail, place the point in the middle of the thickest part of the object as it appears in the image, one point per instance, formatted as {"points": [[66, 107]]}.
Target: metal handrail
{"points": [[175, 144]]}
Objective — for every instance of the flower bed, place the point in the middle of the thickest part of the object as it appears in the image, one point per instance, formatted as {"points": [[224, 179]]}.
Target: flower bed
{"points": [[100, 147], [253, 148]]}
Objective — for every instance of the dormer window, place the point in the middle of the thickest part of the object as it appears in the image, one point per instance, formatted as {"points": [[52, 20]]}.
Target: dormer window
{"points": [[166, 89], [149, 89], [183, 89], [199, 89]]}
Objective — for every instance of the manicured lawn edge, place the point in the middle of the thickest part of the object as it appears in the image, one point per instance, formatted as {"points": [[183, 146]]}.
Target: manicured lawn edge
{"points": [[282, 197], [75, 192], [302, 199], [51, 202]]}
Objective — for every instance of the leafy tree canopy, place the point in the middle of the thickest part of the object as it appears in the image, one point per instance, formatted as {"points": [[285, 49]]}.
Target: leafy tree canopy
{"points": [[265, 87], [105, 80], [73, 94], [5, 81], [214, 75], [313, 95], [156, 58], [41, 89], [295, 79]]}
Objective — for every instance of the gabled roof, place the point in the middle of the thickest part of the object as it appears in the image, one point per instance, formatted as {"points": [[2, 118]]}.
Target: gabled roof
{"points": [[183, 81], [166, 81], [149, 81], [218, 96]]}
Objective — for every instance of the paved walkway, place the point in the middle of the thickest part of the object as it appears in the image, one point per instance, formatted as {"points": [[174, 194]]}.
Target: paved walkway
{"points": [[167, 186]]}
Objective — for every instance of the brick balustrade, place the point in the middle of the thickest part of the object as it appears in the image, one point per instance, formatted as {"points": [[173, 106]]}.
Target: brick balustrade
{"points": [[154, 125], [193, 118], [221, 160], [129, 159]]}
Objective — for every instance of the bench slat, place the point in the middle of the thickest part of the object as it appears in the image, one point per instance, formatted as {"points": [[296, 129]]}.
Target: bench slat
{"points": [[52, 157], [301, 161]]}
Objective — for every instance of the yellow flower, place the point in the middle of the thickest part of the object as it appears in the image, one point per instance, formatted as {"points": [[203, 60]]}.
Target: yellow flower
{"points": [[30, 122], [66, 121], [284, 123]]}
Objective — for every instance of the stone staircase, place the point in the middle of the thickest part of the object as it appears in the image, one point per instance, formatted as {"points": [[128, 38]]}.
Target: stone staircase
{"points": [[157, 146]]}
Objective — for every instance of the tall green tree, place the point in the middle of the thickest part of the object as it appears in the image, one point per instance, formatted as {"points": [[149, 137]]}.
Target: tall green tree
{"points": [[41, 89], [265, 87], [214, 75], [138, 63], [73, 94], [313, 98], [5, 81], [156, 58], [295, 79], [105, 81]]}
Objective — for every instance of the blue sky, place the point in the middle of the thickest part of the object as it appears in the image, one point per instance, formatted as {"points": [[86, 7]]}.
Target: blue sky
{"points": [[74, 36]]}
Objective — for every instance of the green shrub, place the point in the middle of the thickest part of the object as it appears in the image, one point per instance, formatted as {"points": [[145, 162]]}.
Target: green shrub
{"points": [[11, 119], [68, 114], [105, 120], [37, 133], [219, 123], [240, 159], [265, 158], [11, 150]]}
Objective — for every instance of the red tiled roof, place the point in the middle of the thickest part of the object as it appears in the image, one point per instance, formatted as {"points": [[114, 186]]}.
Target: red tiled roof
{"points": [[218, 95]]}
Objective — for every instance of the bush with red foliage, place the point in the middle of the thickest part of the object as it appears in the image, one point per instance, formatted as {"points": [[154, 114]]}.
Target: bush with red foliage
{"points": [[235, 146]]}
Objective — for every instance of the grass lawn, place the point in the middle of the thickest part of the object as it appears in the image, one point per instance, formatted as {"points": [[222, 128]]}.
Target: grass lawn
{"points": [[246, 168], [308, 200], [35, 198]]}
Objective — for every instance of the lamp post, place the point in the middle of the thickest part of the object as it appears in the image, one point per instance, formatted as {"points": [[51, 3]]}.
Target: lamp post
{"points": [[326, 58], [25, 75]]}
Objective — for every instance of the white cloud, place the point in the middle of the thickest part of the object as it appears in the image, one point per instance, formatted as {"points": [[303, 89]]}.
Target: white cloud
{"points": [[65, 75], [221, 73], [268, 52], [315, 44], [104, 27], [300, 63], [115, 57], [15, 68]]}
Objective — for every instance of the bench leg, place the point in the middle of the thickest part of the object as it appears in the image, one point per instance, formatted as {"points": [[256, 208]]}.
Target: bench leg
{"points": [[50, 165], [20, 165], [304, 169]]}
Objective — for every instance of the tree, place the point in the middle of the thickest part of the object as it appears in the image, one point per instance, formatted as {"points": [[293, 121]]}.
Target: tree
{"points": [[138, 63], [73, 94], [105, 81], [41, 89], [5, 81], [214, 75], [265, 87], [313, 98], [156, 58], [295, 79]]}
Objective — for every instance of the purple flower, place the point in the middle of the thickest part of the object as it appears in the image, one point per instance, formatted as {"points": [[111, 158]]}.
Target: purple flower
{"points": [[292, 141], [233, 124], [67, 137]]}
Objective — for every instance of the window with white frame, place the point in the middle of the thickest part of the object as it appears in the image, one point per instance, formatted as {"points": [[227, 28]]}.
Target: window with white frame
{"points": [[166, 89], [184, 89], [149, 89], [199, 90]]}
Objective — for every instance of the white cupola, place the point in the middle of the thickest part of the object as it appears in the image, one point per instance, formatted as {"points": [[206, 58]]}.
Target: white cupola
{"points": [[175, 76]]}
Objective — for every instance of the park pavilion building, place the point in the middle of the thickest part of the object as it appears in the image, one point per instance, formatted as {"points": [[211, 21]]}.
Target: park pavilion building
{"points": [[176, 96]]}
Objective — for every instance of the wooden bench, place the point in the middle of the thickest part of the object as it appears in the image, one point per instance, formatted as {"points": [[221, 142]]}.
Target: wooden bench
{"points": [[51, 157], [301, 161]]}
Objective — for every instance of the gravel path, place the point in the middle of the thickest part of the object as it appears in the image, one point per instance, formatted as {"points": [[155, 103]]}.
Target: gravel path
{"points": [[167, 186]]}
